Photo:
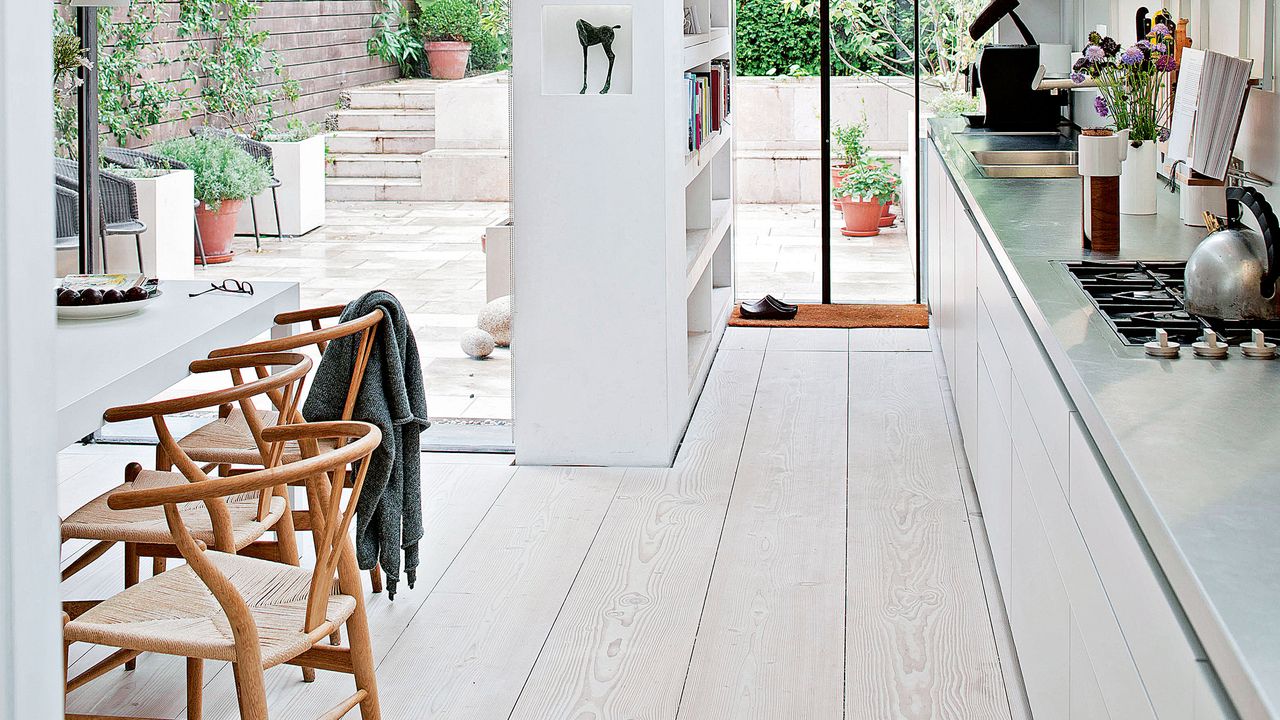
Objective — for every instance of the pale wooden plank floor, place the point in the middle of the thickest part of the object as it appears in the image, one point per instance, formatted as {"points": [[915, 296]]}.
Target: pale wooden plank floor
{"points": [[809, 556]]}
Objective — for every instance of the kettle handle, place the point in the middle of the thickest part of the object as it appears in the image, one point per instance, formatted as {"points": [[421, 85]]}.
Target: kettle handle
{"points": [[1261, 209]]}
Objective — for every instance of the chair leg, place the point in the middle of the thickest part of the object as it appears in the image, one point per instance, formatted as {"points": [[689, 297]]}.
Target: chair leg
{"points": [[257, 236], [195, 688], [358, 635], [103, 243], [251, 691], [131, 567], [276, 201], [163, 463], [287, 544], [204, 262], [158, 565], [137, 241], [375, 578]]}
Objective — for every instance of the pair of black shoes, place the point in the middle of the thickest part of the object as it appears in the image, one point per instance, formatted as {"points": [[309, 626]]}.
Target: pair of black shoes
{"points": [[768, 308]]}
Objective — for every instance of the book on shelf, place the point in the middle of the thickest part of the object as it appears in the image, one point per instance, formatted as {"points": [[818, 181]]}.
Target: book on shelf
{"points": [[708, 95], [1207, 111]]}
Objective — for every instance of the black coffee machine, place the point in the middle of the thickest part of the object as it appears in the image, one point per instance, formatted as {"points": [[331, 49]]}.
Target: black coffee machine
{"points": [[1007, 75]]}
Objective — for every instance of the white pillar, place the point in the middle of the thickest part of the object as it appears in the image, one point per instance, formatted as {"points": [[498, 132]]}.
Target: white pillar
{"points": [[30, 619]]}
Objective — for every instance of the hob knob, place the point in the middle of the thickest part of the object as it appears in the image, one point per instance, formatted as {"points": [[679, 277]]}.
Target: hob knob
{"points": [[1161, 347], [1209, 347], [1259, 349]]}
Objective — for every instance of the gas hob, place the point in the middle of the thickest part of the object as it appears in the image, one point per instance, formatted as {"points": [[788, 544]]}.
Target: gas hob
{"points": [[1140, 298]]}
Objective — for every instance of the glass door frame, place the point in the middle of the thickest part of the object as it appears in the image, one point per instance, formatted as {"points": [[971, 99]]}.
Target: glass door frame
{"points": [[824, 113]]}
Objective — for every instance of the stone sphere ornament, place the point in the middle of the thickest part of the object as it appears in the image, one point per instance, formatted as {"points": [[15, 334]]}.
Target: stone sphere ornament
{"points": [[477, 343], [495, 319]]}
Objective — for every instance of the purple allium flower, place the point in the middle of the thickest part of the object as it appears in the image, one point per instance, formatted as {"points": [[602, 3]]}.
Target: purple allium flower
{"points": [[1166, 63], [1095, 53], [1132, 56], [1110, 46], [1100, 104], [1160, 30], [1077, 77]]}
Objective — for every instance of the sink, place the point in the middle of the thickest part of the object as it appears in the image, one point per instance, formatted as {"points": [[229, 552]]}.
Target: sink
{"points": [[1027, 163]]}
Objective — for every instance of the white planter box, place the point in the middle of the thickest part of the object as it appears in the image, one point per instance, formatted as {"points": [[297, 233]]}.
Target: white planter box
{"points": [[168, 245], [497, 261], [300, 168]]}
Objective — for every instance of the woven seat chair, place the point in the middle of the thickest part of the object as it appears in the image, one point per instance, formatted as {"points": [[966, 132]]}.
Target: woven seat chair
{"points": [[228, 440], [142, 160], [145, 532], [261, 152], [119, 210], [254, 613], [66, 218]]}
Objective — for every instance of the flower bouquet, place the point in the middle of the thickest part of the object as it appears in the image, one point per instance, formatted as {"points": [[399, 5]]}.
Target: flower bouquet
{"points": [[1133, 94]]}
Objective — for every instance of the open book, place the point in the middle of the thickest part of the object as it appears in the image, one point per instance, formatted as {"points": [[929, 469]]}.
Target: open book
{"points": [[1207, 111]]}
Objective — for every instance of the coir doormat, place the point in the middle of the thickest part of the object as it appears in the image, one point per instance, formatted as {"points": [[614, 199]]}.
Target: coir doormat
{"points": [[844, 316]]}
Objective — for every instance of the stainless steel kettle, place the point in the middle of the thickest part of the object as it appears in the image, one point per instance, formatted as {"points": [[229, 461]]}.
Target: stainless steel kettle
{"points": [[1232, 274]]}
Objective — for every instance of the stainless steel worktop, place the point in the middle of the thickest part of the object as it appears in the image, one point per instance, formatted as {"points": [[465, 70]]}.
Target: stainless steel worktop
{"points": [[1194, 444]]}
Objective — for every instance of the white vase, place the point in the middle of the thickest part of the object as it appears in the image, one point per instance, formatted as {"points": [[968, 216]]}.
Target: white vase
{"points": [[1138, 180]]}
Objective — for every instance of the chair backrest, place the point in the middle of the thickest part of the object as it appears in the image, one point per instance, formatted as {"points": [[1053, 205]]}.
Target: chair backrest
{"points": [[67, 217], [286, 384], [117, 193], [365, 326], [139, 159], [325, 474]]}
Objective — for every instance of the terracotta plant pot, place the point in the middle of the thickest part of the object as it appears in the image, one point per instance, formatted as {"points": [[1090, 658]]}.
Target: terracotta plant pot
{"points": [[218, 229], [861, 217], [887, 219], [838, 174], [447, 59]]}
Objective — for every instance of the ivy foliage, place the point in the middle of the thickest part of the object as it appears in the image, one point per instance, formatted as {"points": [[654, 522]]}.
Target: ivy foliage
{"points": [[776, 40], [227, 58]]}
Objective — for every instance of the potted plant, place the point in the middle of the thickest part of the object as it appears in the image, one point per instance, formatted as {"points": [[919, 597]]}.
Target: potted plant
{"points": [[448, 28], [298, 162], [225, 176], [866, 189], [1131, 94]]}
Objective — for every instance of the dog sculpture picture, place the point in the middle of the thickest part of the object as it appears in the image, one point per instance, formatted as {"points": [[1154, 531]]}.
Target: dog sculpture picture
{"points": [[603, 36]]}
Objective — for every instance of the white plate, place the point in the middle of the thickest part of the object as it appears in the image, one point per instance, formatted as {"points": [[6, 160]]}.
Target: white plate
{"points": [[107, 310]]}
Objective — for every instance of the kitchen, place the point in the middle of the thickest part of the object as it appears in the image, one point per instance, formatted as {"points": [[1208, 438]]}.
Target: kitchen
{"points": [[1134, 468]]}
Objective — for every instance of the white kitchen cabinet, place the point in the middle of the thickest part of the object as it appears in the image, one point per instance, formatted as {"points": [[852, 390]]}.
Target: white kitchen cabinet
{"points": [[933, 252], [1087, 702], [947, 301], [1143, 603], [966, 328], [1211, 702], [1040, 616], [993, 465]]}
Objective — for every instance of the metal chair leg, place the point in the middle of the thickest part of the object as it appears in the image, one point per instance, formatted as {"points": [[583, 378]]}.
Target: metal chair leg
{"points": [[103, 243], [204, 263], [257, 236], [275, 200], [137, 241]]}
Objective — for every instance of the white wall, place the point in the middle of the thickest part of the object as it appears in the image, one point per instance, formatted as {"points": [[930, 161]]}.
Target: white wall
{"points": [[30, 624]]}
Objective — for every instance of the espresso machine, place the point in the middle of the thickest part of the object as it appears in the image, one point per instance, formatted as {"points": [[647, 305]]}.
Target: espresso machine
{"points": [[1007, 77]]}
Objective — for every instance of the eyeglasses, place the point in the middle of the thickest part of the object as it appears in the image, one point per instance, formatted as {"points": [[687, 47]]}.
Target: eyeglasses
{"points": [[227, 286]]}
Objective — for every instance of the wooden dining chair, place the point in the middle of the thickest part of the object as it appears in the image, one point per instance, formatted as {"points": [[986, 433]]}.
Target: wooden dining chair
{"points": [[145, 532], [254, 613], [228, 441]]}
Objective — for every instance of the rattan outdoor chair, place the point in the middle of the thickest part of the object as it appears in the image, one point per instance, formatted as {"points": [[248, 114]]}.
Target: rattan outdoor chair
{"points": [[145, 532], [119, 205], [228, 441], [66, 235], [141, 160], [261, 152], [254, 613]]}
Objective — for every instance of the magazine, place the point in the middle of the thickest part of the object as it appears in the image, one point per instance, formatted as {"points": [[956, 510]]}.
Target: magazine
{"points": [[119, 281]]}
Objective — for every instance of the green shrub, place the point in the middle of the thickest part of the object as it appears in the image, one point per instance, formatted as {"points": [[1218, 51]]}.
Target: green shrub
{"points": [[489, 53], [223, 170], [773, 40], [457, 20]]}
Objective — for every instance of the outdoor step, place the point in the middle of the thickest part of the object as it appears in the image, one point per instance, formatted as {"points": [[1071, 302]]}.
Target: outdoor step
{"points": [[367, 189], [381, 141], [418, 120], [387, 98], [375, 165]]}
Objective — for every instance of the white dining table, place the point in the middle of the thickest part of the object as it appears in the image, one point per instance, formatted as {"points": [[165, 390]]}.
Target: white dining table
{"points": [[100, 364]]}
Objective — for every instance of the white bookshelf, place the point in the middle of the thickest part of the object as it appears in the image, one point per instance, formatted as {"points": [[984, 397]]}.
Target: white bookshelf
{"points": [[623, 249]]}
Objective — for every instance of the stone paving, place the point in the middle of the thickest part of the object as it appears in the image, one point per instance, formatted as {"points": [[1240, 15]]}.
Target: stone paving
{"points": [[429, 255]]}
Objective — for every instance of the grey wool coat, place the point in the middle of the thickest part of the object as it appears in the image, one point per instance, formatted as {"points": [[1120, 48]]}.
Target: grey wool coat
{"points": [[393, 397]]}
